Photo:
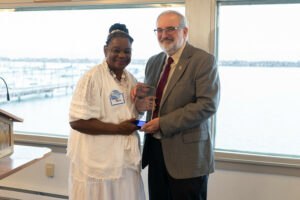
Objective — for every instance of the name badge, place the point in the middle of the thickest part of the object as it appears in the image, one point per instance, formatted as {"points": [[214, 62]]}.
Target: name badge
{"points": [[116, 98]]}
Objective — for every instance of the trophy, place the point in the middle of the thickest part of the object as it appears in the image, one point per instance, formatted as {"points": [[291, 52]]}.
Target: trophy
{"points": [[144, 100]]}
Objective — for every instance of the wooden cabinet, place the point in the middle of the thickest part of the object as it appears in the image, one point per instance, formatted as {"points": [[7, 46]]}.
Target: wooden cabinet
{"points": [[6, 132]]}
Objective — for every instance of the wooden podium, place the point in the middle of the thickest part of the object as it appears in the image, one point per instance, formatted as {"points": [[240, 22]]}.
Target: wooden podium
{"points": [[6, 132]]}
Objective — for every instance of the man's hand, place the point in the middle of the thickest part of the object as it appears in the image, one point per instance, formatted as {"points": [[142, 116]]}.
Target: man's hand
{"points": [[151, 127]]}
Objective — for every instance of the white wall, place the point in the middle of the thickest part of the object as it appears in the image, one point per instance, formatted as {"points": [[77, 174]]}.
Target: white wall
{"points": [[200, 17], [236, 185], [223, 184]]}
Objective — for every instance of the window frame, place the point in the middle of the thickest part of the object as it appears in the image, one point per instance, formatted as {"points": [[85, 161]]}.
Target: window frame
{"points": [[243, 161]]}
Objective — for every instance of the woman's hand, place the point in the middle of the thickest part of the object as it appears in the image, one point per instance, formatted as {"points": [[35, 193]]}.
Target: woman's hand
{"points": [[127, 127], [97, 127], [135, 90], [143, 97]]}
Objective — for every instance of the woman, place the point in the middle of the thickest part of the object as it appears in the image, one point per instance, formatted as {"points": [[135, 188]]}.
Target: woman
{"points": [[103, 146]]}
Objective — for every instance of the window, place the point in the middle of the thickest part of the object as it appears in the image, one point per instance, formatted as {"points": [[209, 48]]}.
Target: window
{"points": [[44, 52], [258, 56]]}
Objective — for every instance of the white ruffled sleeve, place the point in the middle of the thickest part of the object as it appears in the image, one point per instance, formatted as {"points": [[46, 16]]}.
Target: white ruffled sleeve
{"points": [[86, 98]]}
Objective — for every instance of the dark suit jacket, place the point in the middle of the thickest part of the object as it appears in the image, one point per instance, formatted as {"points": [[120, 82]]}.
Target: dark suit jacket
{"points": [[187, 106]]}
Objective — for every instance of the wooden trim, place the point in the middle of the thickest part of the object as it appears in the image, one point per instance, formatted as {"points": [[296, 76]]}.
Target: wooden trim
{"points": [[11, 116]]}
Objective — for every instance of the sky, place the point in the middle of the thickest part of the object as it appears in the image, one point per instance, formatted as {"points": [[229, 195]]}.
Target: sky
{"points": [[255, 32], [260, 32], [75, 33]]}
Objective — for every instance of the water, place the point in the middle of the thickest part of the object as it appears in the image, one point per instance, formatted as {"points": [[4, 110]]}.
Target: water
{"points": [[259, 111], [47, 113], [42, 115]]}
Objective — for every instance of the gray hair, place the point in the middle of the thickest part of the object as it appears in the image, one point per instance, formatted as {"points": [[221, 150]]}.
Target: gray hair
{"points": [[182, 19]]}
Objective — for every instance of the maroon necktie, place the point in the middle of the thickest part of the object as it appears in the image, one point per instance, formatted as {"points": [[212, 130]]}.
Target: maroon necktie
{"points": [[161, 86]]}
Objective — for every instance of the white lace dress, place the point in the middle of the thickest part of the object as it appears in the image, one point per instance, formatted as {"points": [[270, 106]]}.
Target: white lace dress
{"points": [[104, 167]]}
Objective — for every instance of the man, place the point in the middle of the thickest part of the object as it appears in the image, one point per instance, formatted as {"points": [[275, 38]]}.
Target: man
{"points": [[178, 147]]}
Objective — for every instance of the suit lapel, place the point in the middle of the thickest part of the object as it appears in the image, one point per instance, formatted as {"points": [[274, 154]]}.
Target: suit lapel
{"points": [[178, 72], [156, 74]]}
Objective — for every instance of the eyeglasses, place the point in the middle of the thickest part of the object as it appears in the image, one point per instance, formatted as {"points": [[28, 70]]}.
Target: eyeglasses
{"points": [[168, 30]]}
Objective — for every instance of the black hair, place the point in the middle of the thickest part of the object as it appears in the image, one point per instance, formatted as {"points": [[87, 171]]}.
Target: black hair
{"points": [[118, 30]]}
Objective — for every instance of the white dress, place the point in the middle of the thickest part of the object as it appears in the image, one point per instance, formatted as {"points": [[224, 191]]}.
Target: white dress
{"points": [[104, 167]]}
